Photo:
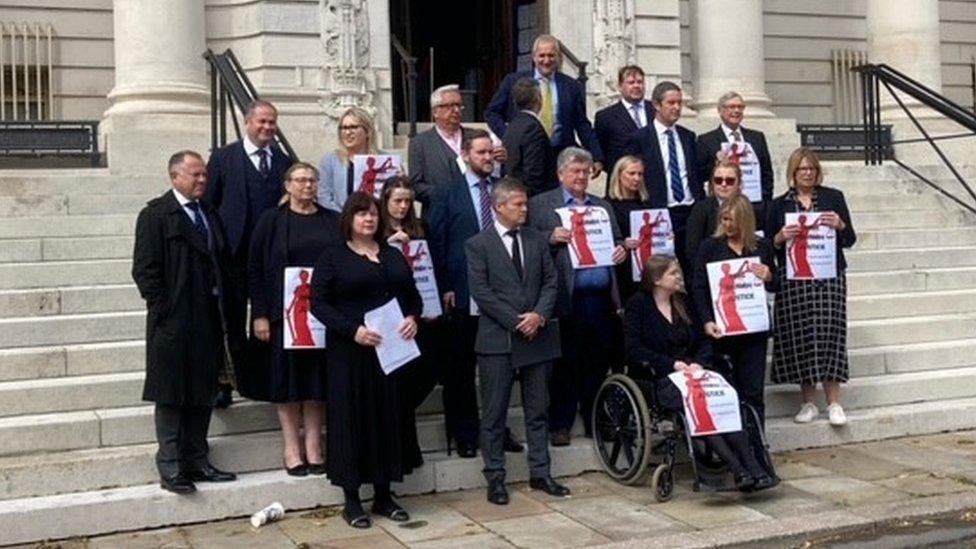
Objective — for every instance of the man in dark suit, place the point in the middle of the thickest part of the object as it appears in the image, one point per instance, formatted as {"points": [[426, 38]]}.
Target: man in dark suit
{"points": [[615, 123], [433, 154], [670, 161], [181, 265], [530, 158], [458, 211], [563, 111], [587, 299], [246, 180], [731, 107], [513, 281]]}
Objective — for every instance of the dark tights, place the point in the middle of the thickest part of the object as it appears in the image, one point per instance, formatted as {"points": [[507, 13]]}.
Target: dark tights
{"points": [[736, 452], [354, 505]]}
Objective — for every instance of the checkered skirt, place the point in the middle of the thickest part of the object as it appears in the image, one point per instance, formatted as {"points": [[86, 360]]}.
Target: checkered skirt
{"points": [[810, 331]]}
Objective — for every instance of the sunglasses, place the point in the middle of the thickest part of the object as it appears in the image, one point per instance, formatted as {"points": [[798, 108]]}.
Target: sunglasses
{"points": [[724, 181]]}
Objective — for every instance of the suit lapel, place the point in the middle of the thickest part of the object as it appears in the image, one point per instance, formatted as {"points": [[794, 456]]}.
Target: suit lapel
{"points": [[469, 206], [443, 150], [182, 225], [499, 246]]}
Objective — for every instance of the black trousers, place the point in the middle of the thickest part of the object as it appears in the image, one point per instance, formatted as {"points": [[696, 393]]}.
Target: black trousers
{"points": [[458, 379], [182, 435], [679, 221], [747, 355], [588, 349]]}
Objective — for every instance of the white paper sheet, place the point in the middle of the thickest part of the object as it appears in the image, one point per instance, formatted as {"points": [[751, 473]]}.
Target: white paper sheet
{"points": [[711, 404], [812, 254], [394, 351], [742, 154]]}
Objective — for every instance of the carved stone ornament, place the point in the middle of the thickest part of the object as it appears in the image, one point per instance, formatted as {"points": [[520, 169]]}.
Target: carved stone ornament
{"points": [[614, 45], [347, 79]]}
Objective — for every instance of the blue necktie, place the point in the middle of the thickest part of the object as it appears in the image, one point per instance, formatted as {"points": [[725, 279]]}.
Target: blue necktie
{"points": [[198, 223], [486, 218], [677, 189]]}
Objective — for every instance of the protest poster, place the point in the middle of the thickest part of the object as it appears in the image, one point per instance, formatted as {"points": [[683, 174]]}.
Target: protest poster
{"points": [[811, 254], [655, 235], [591, 242], [301, 329], [742, 154], [738, 296], [417, 254], [711, 404], [370, 171]]}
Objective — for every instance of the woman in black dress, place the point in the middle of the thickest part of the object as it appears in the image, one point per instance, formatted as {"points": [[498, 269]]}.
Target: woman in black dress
{"points": [[293, 235], [417, 379], [364, 442], [659, 331], [734, 238], [626, 192], [810, 316]]}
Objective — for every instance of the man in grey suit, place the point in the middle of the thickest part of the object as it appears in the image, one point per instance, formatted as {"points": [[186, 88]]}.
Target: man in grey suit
{"points": [[513, 281]]}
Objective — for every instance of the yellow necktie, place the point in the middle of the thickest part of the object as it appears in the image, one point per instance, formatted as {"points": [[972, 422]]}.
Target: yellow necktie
{"points": [[546, 113]]}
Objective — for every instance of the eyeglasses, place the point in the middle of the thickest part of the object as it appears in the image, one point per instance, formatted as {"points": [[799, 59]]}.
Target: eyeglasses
{"points": [[350, 128], [812, 169], [724, 181], [734, 107], [457, 106], [304, 180]]}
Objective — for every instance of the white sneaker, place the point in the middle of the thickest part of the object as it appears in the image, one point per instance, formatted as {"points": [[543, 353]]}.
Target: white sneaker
{"points": [[808, 412], [836, 415]]}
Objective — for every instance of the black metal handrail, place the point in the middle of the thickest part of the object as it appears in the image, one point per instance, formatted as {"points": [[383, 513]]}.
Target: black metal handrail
{"points": [[873, 77], [580, 65], [408, 70], [229, 88]]}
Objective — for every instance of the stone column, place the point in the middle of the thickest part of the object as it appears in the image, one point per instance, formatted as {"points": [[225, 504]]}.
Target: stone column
{"points": [[905, 35], [728, 55], [160, 102]]}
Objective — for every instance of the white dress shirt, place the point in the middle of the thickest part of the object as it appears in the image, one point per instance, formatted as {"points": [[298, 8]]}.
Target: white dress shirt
{"points": [[641, 111], [452, 140], [662, 139], [251, 150], [507, 241], [728, 133]]}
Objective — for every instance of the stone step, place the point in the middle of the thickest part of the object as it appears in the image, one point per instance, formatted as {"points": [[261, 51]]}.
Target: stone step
{"points": [[895, 220], [913, 329], [68, 329], [72, 360], [36, 205], [71, 393], [910, 258], [878, 306], [914, 357], [146, 506], [911, 280], [899, 201], [67, 226], [53, 274], [27, 183], [915, 238], [70, 300]]}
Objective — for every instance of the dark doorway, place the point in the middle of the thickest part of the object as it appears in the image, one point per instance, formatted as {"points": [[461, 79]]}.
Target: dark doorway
{"points": [[473, 43]]}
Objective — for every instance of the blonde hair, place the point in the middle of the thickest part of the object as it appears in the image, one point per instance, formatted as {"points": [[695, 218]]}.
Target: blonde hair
{"points": [[739, 209], [363, 119], [613, 184], [723, 162], [798, 156]]}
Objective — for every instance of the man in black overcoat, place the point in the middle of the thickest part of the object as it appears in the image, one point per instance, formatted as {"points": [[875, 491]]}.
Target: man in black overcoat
{"points": [[530, 156], [181, 266]]}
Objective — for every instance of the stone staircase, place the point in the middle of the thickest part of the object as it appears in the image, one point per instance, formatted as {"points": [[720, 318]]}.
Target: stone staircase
{"points": [[76, 455]]}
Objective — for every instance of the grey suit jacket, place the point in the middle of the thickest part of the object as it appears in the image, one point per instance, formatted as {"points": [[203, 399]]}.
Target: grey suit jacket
{"points": [[501, 295], [432, 162], [543, 218]]}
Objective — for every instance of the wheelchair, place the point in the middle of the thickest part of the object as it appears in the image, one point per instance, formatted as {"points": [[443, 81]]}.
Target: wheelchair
{"points": [[630, 429]]}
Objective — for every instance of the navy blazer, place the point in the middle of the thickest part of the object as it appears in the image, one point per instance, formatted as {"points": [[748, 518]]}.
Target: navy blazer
{"points": [[710, 143], [613, 126], [452, 222], [571, 113], [228, 169], [643, 144]]}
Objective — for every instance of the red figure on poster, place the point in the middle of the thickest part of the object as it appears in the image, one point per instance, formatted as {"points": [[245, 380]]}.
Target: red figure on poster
{"points": [[697, 403], [412, 259], [646, 236], [581, 242], [368, 184], [798, 249], [736, 155], [726, 305], [297, 313]]}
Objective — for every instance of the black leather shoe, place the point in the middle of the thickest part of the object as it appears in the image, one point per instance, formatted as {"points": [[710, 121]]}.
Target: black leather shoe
{"points": [[549, 486], [178, 484], [466, 449], [560, 438], [497, 493], [316, 469], [765, 482], [744, 482], [209, 473], [223, 398], [512, 445], [300, 470]]}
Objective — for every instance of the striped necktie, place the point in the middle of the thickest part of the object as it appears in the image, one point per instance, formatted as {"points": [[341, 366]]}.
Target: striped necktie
{"points": [[485, 206], [677, 189]]}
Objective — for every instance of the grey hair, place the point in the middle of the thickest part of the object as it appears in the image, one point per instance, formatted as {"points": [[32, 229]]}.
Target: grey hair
{"points": [[573, 154], [661, 89], [258, 104], [547, 39], [437, 96], [728, 96], [503, 190], [178, 158]]}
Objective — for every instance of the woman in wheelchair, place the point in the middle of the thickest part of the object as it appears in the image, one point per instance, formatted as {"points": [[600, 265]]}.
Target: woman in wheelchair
{"points": [[659, 331]]}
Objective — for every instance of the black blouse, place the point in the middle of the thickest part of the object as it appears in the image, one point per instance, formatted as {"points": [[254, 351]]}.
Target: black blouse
{"points": [[717, 249], [825, 199], [652, 339]]}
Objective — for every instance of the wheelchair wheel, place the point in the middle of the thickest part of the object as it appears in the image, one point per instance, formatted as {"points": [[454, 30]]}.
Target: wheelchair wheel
{"points": [[662, 483], [622, 429]]}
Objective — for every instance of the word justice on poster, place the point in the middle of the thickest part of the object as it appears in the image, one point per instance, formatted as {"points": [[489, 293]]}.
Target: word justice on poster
{"points": [[591, 236]]}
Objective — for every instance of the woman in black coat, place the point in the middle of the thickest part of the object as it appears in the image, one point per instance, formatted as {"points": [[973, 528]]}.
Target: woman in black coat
{"points": [[725, 182], [626, 193], [293, 235], [661, 333], [735, 238], [363, 435]]}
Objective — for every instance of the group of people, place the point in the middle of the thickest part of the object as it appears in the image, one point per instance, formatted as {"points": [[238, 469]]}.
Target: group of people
{"points": [[513, 305]]}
